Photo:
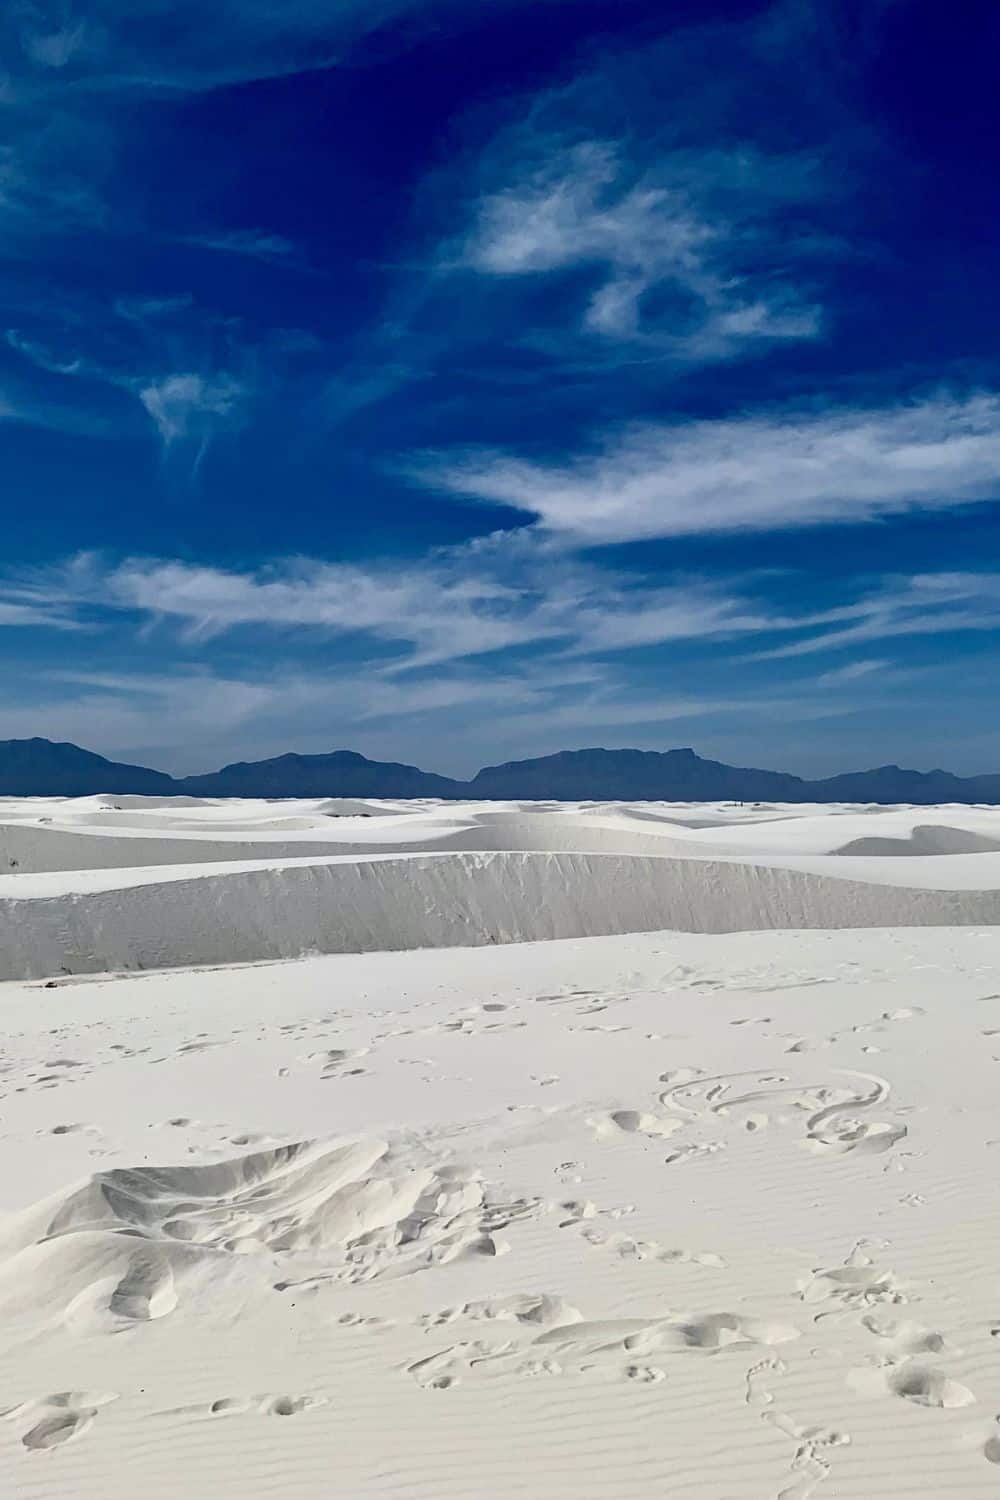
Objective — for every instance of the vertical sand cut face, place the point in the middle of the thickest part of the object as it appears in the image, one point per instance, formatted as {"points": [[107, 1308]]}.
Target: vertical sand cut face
{"points": [[592, 1151]]}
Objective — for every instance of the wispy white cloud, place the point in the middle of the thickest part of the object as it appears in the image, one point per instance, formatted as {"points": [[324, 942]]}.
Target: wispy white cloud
{"points": [[256, 244], [689, 251], [44, 358], [176, 45], [179, 46], [26, 605], [766, 472], [24, 615], [853, 672], [506, 594], [184, 406], [54, 48], [145, 312], [191, 405], [499, 594], [928, 604], [25, 407]]}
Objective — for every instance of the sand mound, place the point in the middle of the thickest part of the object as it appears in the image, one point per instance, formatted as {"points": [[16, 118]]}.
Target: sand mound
{"points": [[91, 842], [926, 838], [358, 807], [244, 913], [134, 802], [29, 850], [168, 823], [132, 1245]]}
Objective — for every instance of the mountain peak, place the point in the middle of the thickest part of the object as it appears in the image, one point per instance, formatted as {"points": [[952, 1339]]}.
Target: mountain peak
{"points": [[41, 767]]}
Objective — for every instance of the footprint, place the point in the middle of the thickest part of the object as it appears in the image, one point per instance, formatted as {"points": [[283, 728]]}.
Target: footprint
{"points": [[56, 1419], [718, 1330], [638, 1122], [928, 1387], [678, 1077], [857, 1283], [441, 1371], [578, 1210], [904, 1338], [695, 1152], [809, 1465], [871, 1139], [639, 1250], [227, 1406], [756, 1394], [269, 1406], [530, 1310], [335, 1059], [288, 1406], [695, 1258], [920, 1384], [357, 1320]]}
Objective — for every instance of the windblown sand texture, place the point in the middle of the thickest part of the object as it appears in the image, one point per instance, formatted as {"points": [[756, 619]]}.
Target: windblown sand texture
{"points": [[456, 1152]]}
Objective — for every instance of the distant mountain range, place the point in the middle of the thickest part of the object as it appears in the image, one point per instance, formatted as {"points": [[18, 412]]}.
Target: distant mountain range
{"points": [[39, 768], [342, 773]]}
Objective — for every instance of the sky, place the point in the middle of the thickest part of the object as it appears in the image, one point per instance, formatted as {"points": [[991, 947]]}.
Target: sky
{"points": [[462, 380]]}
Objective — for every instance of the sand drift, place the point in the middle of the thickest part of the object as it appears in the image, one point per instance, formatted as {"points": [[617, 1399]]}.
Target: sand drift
{"points": [[91, 886]]}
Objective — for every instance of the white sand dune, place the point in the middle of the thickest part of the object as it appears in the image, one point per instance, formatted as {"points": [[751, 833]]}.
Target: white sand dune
{"points": [[929, 838], [656, 1160], [247, 912], [91, 887]]}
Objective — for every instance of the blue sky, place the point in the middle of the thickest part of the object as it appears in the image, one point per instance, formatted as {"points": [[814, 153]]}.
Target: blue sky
{"points": [[453, 381]]}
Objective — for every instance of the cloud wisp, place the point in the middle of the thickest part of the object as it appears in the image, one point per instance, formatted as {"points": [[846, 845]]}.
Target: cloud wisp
{"points": [[762, 472], [492, 596], [927, 604], [501, 595], [137, 340], [190, 405], [679, 252]]}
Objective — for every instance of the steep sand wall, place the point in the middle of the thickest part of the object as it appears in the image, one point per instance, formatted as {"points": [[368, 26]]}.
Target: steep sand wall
{"points": [[429, 901]]}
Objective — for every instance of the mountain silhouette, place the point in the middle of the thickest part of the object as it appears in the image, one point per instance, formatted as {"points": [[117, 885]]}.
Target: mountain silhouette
{"points": [[342, 773], [40, 768], [628, 775]]}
